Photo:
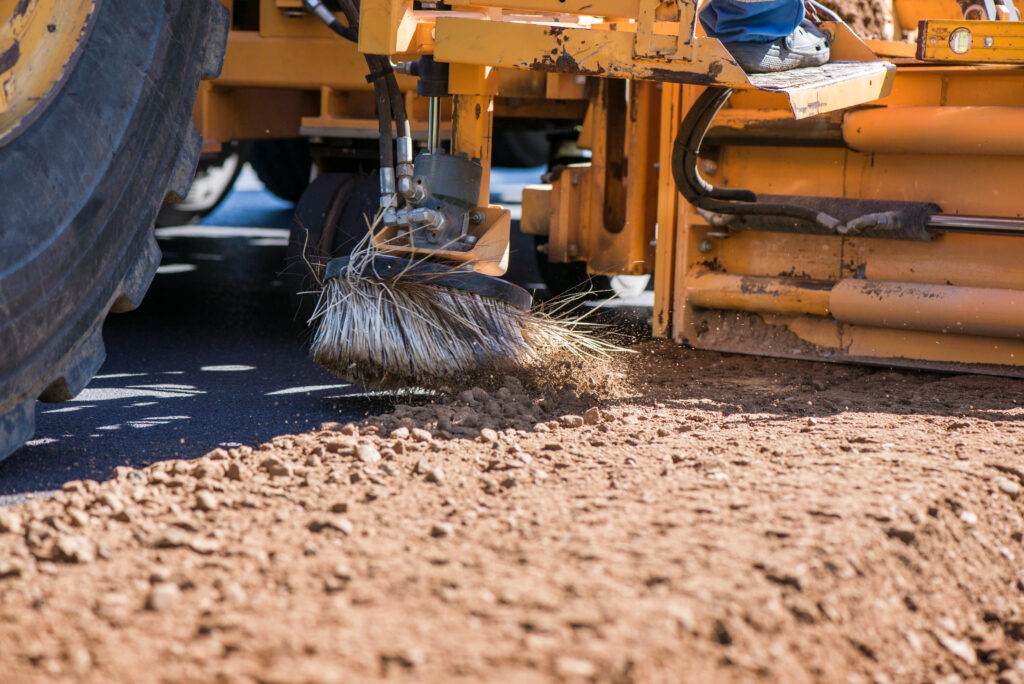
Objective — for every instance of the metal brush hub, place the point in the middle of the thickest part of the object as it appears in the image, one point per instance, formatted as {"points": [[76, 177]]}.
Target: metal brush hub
{"points": [[451, 189]]}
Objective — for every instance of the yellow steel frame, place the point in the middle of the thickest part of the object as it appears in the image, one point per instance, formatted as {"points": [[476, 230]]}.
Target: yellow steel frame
{"points": [[930, 133], [956, 302]]}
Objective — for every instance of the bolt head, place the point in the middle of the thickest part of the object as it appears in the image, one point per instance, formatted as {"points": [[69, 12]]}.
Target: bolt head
{"points": [[705, 246], [477, 216]]}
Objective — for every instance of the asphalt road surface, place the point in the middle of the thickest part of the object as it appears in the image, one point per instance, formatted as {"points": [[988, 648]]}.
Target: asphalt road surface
{"points": [[212, 358]]}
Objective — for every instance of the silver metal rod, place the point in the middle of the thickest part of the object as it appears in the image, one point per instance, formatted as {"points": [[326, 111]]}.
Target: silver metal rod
{"points": [[433, 123], [984, 225]]}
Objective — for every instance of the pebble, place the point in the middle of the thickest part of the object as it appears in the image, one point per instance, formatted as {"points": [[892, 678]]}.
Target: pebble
{"points": [[211, 471], [367, 453], [275, 467], [349, 429], [343, 525], [961, 649], [466, 397], [10, 522], [541, 427], [162, 596], [204, 545], [400, 433], [488, 435], [74, 549], [79, 517], [1009, 487], [339, 507], [172, 538], [441, 530], [205, 501], [335, 446], [435, 475], [9, 569], [480, 394], [574, 667], [571, 421], [421, 435], [235, 472], [968, 517]]}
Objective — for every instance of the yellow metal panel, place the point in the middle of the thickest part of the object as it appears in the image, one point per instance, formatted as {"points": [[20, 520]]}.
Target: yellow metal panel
{"points": [[385, 26], [592, 52], [668, 201]]}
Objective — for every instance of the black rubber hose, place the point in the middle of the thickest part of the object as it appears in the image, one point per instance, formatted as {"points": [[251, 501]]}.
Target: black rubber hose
{"points": [[702, 194], [325, 15], [390, 103]]}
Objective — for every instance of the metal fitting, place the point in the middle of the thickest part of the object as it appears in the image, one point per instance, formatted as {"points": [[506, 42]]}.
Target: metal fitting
{"points": [[317, 8], [477, 216], [411, 192]]}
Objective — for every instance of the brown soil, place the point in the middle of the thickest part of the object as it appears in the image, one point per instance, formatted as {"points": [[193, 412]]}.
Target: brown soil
{"points": [[736, 519], [868, 18]]}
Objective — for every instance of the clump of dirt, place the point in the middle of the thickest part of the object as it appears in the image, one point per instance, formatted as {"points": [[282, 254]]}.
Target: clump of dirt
{"points": [[727, 519], [872, 19]]}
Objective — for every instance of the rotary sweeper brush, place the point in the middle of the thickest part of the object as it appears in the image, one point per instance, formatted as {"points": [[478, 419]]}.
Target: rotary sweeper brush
{"points": [[418, 302]]}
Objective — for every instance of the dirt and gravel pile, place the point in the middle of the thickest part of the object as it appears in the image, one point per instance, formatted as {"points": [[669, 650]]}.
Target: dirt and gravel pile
{"points": [[729, 519]]}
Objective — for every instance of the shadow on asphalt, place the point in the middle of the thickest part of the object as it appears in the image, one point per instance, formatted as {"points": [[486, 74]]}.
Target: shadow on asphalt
{"points": [[212, 358]]}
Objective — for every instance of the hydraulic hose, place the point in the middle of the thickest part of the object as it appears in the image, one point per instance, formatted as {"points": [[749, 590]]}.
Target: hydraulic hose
{"points": [[730, 201], [326, 16]]}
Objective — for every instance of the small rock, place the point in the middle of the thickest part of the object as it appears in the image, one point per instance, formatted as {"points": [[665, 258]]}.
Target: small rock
{"points": [[541, 427], [367, 453], [968, 517], [79, 517], [466, 397], [275, 467], [172, 538], [72, 549], [1009, 487], [662, 432], [162, 596], [400, 433], [421, 435], [205, 501], [343, 525], [232, 592], [113, 501], [9, 569], [211, 471], [904, 534], [441, 530], [349, 429], [480, 394], [335, 446], [10, 522], [339, 507], [204, 545], [235, 472], [574, 667], [330, 426], [961, 649], [509, 482], [592, 416], [571, 421], [435, 475], [488, 435]]}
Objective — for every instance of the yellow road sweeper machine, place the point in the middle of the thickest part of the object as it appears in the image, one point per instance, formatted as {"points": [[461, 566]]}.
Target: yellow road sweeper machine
{"points": [[861, 207]]}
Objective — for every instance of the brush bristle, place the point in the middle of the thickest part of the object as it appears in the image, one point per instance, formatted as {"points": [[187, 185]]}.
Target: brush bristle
{"points": [[407, 330]]}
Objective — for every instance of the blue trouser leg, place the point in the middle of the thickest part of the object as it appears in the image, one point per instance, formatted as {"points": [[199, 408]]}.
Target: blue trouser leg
{"points": [[760, 21]]}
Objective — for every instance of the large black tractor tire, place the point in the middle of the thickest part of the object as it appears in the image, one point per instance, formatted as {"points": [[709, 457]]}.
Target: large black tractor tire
{"points": [[284, 166], [80, 189]]}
